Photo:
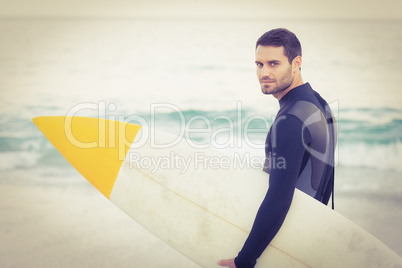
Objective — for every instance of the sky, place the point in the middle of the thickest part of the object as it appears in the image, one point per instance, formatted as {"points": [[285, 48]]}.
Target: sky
{"points": [[359, 9]]}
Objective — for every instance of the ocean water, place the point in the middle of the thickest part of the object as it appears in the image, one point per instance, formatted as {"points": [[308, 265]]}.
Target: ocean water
{"points": [[181, 75], [175, 69]]}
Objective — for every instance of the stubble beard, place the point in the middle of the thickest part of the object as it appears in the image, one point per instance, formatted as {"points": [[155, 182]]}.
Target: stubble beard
{"points": [[284, 83]]}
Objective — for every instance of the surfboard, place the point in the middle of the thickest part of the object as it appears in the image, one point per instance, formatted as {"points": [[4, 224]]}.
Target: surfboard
{"points": [[203, 202]]}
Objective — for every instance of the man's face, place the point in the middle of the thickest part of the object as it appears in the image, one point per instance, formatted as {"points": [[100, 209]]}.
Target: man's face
{"points": [[273, 69]]}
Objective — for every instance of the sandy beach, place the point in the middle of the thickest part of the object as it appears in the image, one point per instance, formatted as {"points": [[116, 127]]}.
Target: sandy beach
{"points": [[371, 198], [68, 223], [60, 220]]}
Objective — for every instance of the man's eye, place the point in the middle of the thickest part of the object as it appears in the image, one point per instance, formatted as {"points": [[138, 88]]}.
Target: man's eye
{"points": [[274, 63], [259, 64]]}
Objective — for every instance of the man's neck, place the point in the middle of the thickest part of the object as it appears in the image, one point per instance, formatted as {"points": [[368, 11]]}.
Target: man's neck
{"points": [[298, 81]]}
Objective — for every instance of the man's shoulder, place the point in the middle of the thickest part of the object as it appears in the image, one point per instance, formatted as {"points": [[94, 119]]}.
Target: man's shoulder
{"points": [[304, 109]]}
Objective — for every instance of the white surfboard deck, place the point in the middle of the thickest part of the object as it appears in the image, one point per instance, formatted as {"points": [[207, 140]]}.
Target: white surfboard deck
{"points": [[206, 212]]}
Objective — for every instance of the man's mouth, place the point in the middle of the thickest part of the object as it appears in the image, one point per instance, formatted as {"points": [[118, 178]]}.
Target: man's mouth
{"points": [[267, 81]]}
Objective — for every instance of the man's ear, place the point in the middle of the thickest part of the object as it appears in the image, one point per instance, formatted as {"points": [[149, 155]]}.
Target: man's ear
{"points": [[296, 63]]}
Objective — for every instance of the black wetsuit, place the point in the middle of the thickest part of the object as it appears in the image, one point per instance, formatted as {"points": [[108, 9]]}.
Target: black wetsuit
{"points": [[299, 154]]}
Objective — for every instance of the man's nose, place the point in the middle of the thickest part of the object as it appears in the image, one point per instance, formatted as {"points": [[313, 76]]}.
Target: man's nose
{"points": [[265, 71]]}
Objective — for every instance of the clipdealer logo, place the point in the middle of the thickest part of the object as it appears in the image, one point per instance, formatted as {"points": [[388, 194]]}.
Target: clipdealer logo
{"points": [[236, 129]]}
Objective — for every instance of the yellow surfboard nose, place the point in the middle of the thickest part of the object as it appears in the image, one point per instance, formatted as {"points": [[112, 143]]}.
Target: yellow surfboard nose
{"points": [[95, 147]]}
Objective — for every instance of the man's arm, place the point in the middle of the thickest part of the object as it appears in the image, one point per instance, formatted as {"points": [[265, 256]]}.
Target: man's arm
{"points": [[282, 182]]}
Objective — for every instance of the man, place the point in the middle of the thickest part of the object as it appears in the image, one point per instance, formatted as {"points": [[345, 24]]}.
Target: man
{"points": [[303, 134]]}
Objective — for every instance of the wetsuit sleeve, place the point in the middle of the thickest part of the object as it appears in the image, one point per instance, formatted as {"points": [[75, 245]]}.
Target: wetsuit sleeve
{"points": [[287, 143]]}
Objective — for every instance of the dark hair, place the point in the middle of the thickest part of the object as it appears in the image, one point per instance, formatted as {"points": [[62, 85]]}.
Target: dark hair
{"points": [[282, 38]]}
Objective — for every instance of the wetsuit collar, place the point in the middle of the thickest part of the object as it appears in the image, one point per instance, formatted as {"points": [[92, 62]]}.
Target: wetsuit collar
{"points": [[302, 89]]}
